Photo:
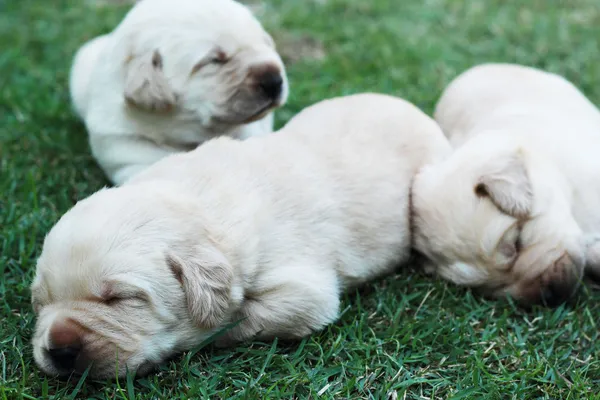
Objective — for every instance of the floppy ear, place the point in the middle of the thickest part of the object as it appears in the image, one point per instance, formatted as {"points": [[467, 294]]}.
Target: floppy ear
{"points": [[206, 278], [507, 185], [146, 86]]}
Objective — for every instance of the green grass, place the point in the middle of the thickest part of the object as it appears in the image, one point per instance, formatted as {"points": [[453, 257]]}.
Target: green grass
{"points": [[403, 337]]}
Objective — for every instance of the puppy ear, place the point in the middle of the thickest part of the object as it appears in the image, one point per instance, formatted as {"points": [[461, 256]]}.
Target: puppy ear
{"points": [[507, 185], [206, 278], [146, 86]]}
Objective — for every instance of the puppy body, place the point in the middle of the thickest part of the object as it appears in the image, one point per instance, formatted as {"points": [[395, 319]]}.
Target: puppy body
{"points": [[265, 232], [172, 75], [516, 206]]}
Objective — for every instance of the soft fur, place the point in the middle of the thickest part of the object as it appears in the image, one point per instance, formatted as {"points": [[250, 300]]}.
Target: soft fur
{"points": [[264, 233], [514, 210], [172, 75]]}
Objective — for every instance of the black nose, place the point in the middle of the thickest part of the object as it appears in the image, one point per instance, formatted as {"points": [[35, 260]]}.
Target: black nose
{"points": [[64, 358], [556, 293], [271, 83]]}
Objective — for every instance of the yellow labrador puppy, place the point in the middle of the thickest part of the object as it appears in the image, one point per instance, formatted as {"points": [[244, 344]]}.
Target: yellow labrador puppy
{"points": [[172, 75], [514, 209], [265, 232]]}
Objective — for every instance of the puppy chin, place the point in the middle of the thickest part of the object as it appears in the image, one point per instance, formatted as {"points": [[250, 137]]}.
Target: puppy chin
{"points": [[260, 115], [250, 107], [250, 114]]}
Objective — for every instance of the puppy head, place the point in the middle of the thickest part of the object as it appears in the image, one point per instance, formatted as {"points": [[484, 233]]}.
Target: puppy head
{"points": [[208, 60], [125, 280], [493, 217]]}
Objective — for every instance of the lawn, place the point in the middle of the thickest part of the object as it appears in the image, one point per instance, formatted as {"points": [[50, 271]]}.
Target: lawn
{"points": [[405, 337]]}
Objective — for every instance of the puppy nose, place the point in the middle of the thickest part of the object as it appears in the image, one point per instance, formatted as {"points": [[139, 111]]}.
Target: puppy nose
{"points": [[65, 345], [271, 84], [64, 358], [556, 293], [563, 282]]}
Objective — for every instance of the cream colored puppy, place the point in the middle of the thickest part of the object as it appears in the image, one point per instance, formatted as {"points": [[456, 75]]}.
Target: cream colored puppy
{"points": [[264, 233], [514, 209], [173, 74]]}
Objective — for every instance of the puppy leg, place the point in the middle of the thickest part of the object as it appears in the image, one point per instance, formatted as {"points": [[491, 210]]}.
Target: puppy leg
{"points": [[299, 303], [122, 157], [592, 258]]}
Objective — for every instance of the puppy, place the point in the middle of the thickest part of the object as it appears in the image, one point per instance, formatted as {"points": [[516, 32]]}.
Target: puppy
{"points": [[263, 234], [172, 75], [514, 209]]}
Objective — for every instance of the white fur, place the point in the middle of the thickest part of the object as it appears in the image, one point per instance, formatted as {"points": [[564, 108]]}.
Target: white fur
{"points": [[530, 140], [142, 96], [266, 232]]}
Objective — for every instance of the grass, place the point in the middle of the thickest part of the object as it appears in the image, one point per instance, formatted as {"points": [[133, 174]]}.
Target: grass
{"points": [[405, 337]]}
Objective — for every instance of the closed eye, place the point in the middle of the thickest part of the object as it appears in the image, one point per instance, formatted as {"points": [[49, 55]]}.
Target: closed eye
{"points": [[510, 245], [220, 57], [111, 301], [217, 57], [518, 239], [119, 292], [518, 244], [126, 299]]}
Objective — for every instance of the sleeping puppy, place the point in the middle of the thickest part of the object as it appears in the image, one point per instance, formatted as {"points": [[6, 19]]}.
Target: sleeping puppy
{"points": [[514, 209], [172, 75], [264, 233]]}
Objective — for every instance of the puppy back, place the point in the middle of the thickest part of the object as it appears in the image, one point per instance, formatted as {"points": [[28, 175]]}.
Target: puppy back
{"points": [[496, 94], [372, 121]]}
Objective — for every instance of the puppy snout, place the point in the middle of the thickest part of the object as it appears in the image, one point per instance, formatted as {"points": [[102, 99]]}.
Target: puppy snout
{"points": [[269, 81], [556, 293], [561, 281], [271, 85], [65, 346]]}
